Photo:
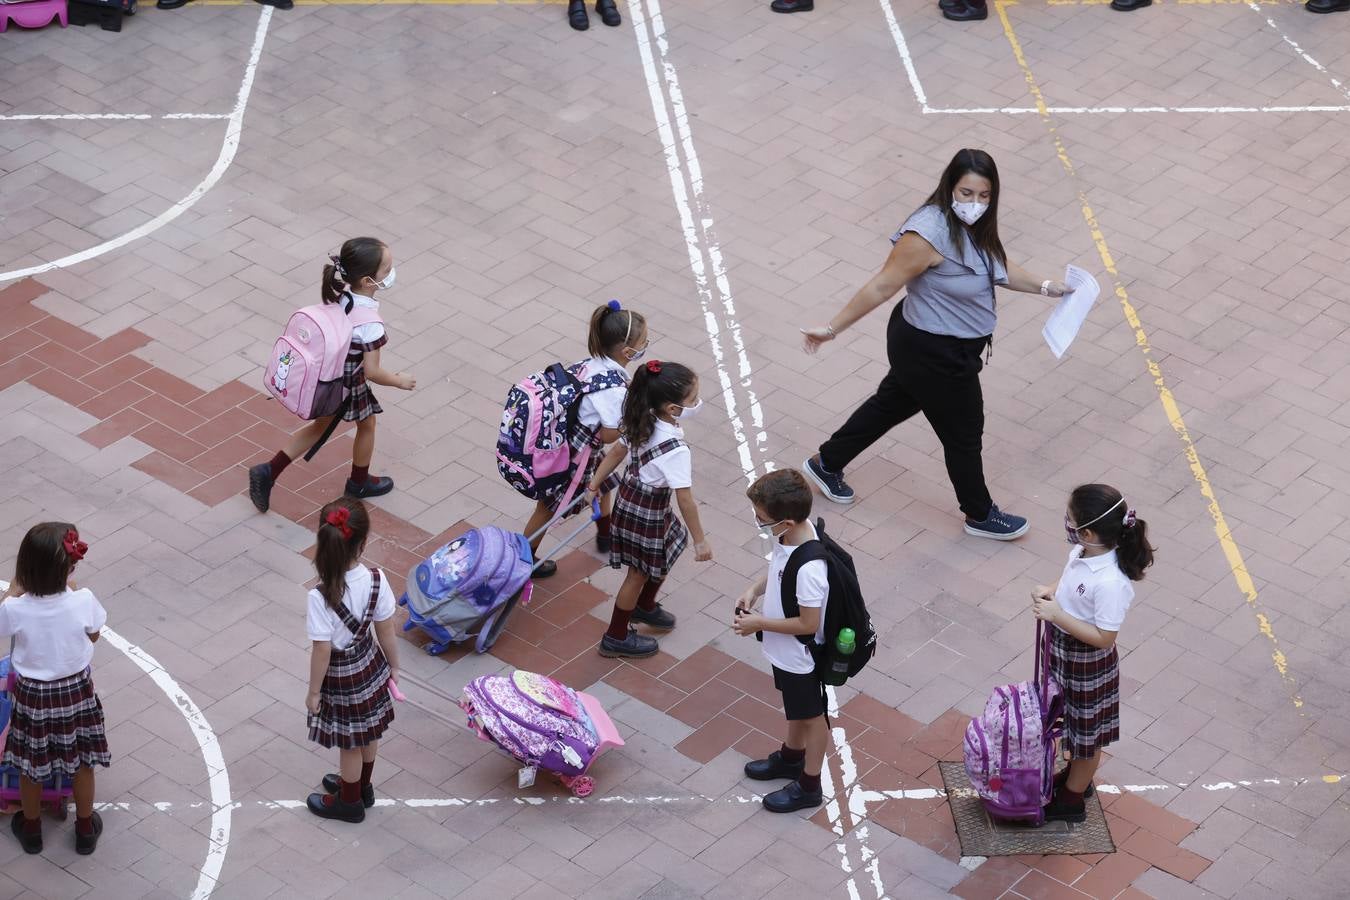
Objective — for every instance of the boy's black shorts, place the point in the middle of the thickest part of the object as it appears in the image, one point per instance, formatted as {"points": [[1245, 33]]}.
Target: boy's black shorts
{"points": [[801, 694]]}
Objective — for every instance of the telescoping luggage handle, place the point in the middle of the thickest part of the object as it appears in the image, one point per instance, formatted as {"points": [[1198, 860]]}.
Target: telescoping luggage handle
{"points": [[1042, 675], [595, 516]]}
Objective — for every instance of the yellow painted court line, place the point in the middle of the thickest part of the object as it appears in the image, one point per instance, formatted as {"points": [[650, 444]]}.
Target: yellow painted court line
{"points": [[1231, 552]]}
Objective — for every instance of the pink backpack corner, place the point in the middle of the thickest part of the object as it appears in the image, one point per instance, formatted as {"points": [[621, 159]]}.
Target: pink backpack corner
{"points": [[305, 369], [1009, 750]]}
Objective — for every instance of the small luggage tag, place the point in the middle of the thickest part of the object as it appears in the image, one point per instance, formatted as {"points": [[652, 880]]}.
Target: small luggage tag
{"points": [[525, 777]]}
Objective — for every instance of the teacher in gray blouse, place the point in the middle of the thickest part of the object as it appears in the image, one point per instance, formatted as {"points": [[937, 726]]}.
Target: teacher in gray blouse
{"points": [[949, 258]]}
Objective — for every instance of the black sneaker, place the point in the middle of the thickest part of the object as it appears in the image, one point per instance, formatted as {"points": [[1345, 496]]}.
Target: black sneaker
{"points": [[329, 806], [376, 486], [791, 798], [31, 843], [635, 646], [1000, 526], [773, 768], [831, 484], [260, 483], [332, 783], [85, 843], [656, 618]]}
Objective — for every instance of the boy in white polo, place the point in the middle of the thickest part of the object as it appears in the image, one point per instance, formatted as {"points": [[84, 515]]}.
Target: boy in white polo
{"points": [[782, 505]]}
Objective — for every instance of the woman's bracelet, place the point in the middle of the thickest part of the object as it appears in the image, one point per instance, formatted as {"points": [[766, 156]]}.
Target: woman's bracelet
{"points": [[1045, 288], [829, 329]]}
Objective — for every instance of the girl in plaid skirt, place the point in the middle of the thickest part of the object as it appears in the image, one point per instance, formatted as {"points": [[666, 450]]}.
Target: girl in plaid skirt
{"points": [[56, 727], [353, 660], [618, 338], [1087, 608], [647, 537], [352, 277]]}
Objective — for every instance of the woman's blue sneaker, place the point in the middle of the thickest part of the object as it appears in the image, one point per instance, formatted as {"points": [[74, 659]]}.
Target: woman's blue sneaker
{"points": [[999, 526], [831, 484]]}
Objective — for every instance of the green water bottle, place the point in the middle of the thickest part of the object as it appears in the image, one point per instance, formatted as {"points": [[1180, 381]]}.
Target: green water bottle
{"points": [[836, 672]]}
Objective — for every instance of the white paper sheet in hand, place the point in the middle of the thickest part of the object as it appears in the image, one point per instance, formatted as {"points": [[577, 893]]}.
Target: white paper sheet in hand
{"points": [[1071, 311]]}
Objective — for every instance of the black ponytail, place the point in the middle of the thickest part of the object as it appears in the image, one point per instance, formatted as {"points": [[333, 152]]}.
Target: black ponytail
{"points": [[343, 526], [359, 258], [1102, 510], [655, 384], [611, 328]]}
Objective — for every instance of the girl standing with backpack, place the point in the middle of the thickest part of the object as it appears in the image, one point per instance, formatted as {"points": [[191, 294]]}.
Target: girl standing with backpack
{"points": [[363, 267], [617, 338], [647, 537], [1087, 608], [349, 668]]}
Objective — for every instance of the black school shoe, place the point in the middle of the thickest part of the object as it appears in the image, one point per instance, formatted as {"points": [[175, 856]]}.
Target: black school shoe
{"points": [[792, 6], [773, 768], [325, 808], [609, 13], [332, 783], [1327, 6], [1062, 779], [260, 483], [279, 4], [576, 15], [792, 798], [654, 618], [968, 12], [375, 486], [85, 843], [170, 4], [1127, 5], [1063, 809], [31, 843], [546, 569], [635, 646]]}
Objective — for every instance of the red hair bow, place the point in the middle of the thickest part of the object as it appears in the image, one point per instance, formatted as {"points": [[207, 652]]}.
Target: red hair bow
{"points": [[338, 518], [75, 548], [654, 366]]}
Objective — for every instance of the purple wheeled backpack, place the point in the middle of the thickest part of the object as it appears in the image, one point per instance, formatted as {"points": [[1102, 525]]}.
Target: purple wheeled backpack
{"points": [[1010, 749], [467, 589]]}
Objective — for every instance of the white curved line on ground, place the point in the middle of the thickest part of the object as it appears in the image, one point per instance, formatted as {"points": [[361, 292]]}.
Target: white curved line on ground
{"points": [[228, 148], [222, 806], [98, 117]]}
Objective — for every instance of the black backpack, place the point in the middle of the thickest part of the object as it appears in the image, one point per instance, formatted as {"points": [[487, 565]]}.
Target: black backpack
{"points": [[844, 608]]}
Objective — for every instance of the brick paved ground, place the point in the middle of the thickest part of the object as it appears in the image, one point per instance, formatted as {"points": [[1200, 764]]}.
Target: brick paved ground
{"points": [[516, 170]]}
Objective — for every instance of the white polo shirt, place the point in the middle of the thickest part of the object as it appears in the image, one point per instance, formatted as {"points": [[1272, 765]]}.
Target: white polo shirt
{"points": [[603, 408], [322, 624], [1092, 589], [673, 469], [370, 332], [813, 589], [51, 634]]}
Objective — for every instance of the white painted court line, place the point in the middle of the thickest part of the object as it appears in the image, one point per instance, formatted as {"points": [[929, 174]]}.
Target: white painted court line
{"points": [[921, 97], [1336, 82], [709, 269], [228, 148], [96, 117]]}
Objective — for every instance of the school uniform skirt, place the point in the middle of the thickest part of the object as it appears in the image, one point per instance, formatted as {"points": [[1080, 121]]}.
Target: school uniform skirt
{"points": [[646, 533], [582, 439], [56, 727], [354, 704], [1090, 681], [362, 403]]}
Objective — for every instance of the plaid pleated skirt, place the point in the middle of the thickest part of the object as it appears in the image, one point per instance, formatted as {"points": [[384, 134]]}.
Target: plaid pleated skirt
{"points": [[646, 533], [582, 440], [362, 403], [56, 727], [1090, 680]]}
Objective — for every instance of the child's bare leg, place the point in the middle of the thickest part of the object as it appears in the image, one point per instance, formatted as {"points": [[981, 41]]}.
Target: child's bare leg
{"points": [[349, 765], [538, 519], [30, 797], [1081, 772], [83, 787], [632, 586], [363, 449], [303, 439], [369, 752], [817, 741]]}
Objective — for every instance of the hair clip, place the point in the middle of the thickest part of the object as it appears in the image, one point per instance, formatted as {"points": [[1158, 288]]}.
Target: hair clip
{"points": [[75, 548], [338, 518], [654, 366], [337, 268], [614, 305], [1129, 520]]}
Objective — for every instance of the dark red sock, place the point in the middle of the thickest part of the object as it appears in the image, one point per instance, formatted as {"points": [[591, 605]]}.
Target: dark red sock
{"points": [[647, 599], [366, 769], [618, 623], [279, 463], [809, 783], [360, 474], [350, 792], [31, 826], [788, 755], [84, 826], [602, 526]]}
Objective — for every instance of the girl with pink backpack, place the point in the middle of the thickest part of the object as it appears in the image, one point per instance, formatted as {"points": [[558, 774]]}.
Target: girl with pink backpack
{"points": [[305, 353], [1085, 610]]}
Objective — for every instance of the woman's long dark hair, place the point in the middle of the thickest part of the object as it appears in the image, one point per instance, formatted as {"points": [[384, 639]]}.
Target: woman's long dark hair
{"points": [[359, 257], [984, 233], [655, 384], [336, 552], [1133, 553]]}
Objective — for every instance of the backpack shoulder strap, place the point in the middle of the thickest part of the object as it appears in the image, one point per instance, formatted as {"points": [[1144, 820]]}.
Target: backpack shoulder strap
{"points": [[805, 553]]}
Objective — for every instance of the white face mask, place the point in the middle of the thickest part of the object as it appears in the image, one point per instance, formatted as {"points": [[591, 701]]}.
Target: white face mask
{"points": [[766, 530], [388, 281], [969, 211], [688, 412]]}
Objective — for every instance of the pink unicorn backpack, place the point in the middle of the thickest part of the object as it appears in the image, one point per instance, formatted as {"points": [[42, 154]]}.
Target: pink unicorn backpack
{"points": [[305, 370], [1010, 749]]}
